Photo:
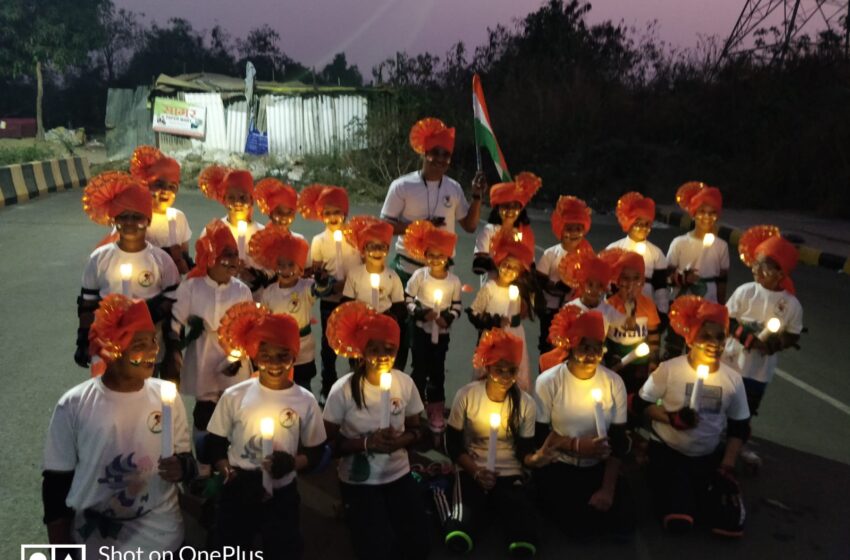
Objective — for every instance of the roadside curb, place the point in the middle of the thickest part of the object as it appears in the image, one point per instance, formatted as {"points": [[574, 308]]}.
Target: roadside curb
{"points": [[21, 182]]}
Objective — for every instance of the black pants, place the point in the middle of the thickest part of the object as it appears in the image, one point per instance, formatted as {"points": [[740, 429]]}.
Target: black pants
{"points": [[304, 373], [405, 327], [543, 344], [428, 367], [386, 521], [679, 484], [327, 354], [508, 505], [564, 492], [243, 514], [202, 414], [755, 392]]}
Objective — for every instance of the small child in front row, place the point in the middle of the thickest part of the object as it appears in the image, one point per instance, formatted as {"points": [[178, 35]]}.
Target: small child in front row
{"points": [[249, 505], [372, 238], [426, 242], [292, 295], [752, 305], [330, 205], [493, 307], [590, 277]]}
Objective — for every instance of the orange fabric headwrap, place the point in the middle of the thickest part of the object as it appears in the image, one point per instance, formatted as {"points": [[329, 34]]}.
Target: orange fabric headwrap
{"points": [[688, 313], [694, 194], [422, 235], [246, 325], [150, 165], [521, 189], [215, 180], [579, 267], [269, 244], [430, 133], [767, 241], [314, 198], [632, 206], [504, 244], [361, 230], [571, 324], [209, 247], [570, 210], [113, 192], [271, 193], [620, 259], [116, 320], [353, 324], [495, 345]]}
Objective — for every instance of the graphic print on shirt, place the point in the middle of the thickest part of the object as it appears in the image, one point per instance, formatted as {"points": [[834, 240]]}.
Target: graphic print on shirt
{"points": [[710, 399], [127, 477], [447, 201], [288, 418], [396, 406], [294, 302], [145, 278], [154, 422], [253, 450]]}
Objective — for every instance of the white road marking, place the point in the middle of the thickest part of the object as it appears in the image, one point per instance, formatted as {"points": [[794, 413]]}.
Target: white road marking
{"points": [[814, 391]]}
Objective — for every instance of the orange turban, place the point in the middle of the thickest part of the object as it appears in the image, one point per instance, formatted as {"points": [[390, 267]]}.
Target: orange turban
{"points": [[571, 324], [570, 210], [361, 230], [209, 247], [495, 345], [579, 267], [632, 206], [113, 192], [694, 194], [620, 259], [430, 133], [688, 313], [504, 244], [767, 241], [422, 235], [353, 324], [269, 244], [271, 193], [521, 189], [150, 165], [116, 320], [314, 198], [246, 325], [215, 180]]}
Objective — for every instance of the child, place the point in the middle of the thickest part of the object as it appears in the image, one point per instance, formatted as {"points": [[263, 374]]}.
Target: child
{"points": [[208, 291], [501, 490], [286, 255], [372, 238], [235, 441], [578, 475], [106, 482], [570, 224], [383, 502], [752, 305], [641, 319], [590, 277], [330, 205], [636, 214], [686, 454], [493, 308], [116, 199], [434, 246], [508, 201], [234, 189], [161, 174], [279, 202]]}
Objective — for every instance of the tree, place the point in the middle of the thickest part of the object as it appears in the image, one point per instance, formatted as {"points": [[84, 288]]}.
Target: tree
{"points": [[176, 49], [121, 32], [338, 72], [261, 48], [49, 32]]}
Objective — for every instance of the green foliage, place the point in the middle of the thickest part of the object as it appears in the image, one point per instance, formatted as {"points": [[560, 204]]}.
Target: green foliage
{"points": [[23, 154]]}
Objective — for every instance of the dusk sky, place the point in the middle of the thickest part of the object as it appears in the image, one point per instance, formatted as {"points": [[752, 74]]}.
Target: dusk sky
{"points": [[369, 31]]}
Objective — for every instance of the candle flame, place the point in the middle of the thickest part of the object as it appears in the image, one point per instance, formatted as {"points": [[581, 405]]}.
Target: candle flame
{"points": [[495, 420], [518, 237], [596, 394], [375, 280], [513, 292], [171, 214], [774, 324], [338, 236], [702, 371], [126, 271], [708, 240], [642, 350], [640, 248], [386, 381], [168, 392], [242, 227], [267, 428], [438, 296]]}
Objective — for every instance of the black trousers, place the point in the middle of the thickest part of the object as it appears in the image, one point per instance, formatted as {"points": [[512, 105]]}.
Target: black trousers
{"points": [[387, 521], [564, 492], [508, 505], [543, 344], [404, 343], [679, 484], [202, 414], [327, 354], [428, 366], [243, 514], [304, 373]]}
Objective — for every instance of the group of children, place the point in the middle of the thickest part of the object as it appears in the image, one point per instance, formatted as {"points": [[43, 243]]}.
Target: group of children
{"points": [[233, 329]]}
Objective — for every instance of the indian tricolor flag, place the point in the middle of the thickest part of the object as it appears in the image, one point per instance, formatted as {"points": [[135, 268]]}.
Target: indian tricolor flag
{"points": [[484, 136]]}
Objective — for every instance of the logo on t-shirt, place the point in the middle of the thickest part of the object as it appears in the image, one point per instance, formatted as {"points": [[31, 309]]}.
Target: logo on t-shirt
{"points": [[288, 417], [293, 302], [155, 422], [396, 406], [781, 306], [447, 201], [710, 399], [146, 279]]}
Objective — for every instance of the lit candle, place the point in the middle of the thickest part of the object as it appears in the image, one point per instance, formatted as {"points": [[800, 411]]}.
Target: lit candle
{"points": [[640, 248], [640, 351], [267, 432], [513, 304], [707, 241], [171, 216], [601, 431], [126, 273], [242, 233], [340, 273], [772, 327], [386, 383], [518, 237], [167, 392], [702, 375], [435, 330], [375, 282], [234, 356], [495, 422]]}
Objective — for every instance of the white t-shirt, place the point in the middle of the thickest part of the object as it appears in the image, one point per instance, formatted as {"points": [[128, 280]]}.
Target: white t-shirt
{"points": [[297, 302], [253, 227], [410, 199], [548, 266], [722, 397], [157, 233], [358, 287], [471, 414], [752, 304], [610, 316], [112, 443], [422, 286], [323, 249], [204, 358], [565, 402], [687, 252], [354, 423], [237, 417], [653, 259], [153, 273]]}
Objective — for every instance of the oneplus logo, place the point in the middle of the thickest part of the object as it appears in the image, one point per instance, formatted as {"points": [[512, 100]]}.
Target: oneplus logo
{"points": [[53, 552]]}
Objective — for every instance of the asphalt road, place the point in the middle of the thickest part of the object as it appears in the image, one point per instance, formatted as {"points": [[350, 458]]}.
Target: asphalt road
{"points": [[799, 504]]}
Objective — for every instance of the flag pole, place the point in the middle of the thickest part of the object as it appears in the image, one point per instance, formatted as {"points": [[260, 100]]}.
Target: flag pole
{"points": [[475, 131]]}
